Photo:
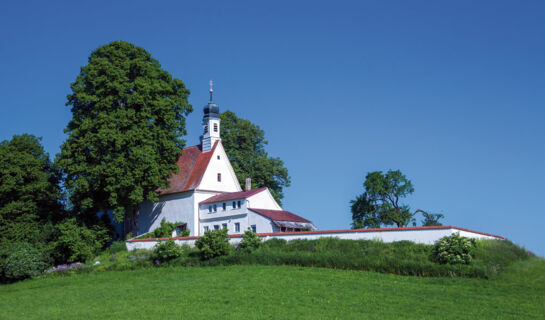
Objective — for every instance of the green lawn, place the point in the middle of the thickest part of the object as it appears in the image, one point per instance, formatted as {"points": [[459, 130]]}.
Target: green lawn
{"points": [[276, 292]]}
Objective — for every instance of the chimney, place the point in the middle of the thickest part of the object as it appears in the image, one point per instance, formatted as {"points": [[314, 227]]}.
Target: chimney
{"points": [[248, 183]]}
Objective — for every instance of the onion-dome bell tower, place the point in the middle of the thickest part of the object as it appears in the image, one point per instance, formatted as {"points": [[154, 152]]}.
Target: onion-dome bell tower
{"points": [[211, 123]]}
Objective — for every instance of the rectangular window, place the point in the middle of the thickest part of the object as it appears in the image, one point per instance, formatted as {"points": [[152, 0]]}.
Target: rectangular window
{"points": [[215, 208], [219, 177], [237, 227], [224, 206], [205, 228], [215, 127], [224, 225], [238, 203], [254, 229], [210, 209], [216, 227], [234, 205]]}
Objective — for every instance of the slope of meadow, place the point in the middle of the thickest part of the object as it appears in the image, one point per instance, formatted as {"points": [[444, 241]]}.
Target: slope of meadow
{"points": [[277, 292]]}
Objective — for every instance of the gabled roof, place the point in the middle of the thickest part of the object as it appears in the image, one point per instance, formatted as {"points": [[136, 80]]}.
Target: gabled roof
{"points": [[280, 215], [232, 195], [191, 167]]}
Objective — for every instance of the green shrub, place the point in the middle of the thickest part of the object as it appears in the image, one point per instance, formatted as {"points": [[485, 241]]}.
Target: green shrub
{"points": [[22, 261], [75, 242], [275, 243], [166, 250], [117, 246], [164, 230], [214, 243], [250, 241], [454, 249]]}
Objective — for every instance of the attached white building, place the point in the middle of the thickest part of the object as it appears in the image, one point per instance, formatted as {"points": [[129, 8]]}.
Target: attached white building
{"points": [[206, 194]]}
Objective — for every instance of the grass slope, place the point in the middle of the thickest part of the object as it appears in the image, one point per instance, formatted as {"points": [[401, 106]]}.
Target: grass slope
{"points": [[277, 292]]}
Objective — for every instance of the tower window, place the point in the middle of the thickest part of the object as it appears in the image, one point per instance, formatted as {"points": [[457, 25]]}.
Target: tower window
{"points": [[219, 177], [215, 127], [205, 128]]}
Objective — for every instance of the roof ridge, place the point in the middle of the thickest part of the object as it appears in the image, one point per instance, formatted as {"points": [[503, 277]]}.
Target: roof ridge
{"points": [[243, 195]]}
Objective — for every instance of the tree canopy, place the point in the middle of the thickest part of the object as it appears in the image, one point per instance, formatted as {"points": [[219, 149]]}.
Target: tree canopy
{"points": [[380, 203], [126, 130], [245, 143], [29, 190]]}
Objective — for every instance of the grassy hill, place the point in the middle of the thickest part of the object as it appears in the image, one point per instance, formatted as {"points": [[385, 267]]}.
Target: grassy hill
{"points": [[277, 292]]}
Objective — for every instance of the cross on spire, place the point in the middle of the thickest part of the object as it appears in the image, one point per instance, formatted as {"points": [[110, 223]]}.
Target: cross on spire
{"points": [[211, 89]]}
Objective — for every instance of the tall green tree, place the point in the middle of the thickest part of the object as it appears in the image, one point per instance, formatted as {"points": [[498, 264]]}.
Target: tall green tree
{"points": [[128, 120], [245, 143], [380, 204], [29, 192]]}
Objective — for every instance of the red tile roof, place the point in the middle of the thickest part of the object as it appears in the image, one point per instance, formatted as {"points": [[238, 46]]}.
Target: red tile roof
{"points": [[280, 215], [191, 167], [232, 195]]}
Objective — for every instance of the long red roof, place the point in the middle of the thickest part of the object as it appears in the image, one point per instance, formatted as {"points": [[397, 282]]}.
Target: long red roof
{"points": [[191, 167], [280, 215], [232, 195]]}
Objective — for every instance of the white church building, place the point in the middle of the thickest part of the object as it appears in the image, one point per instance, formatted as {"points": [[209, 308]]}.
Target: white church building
{"points": [[205, 193]]}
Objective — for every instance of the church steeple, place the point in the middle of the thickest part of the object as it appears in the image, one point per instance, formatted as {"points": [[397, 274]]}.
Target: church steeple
{"points": [[211, 123]]}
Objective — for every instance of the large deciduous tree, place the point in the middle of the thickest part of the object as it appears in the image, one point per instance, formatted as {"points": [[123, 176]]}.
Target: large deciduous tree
{"points": [[126, 130], [380, 204], [245, 143], [29, 192]]}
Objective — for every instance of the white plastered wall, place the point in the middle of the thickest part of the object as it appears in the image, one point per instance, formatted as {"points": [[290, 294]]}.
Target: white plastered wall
{"points": [[263, 200], [178, 207], [209, 181], [429, 236]]}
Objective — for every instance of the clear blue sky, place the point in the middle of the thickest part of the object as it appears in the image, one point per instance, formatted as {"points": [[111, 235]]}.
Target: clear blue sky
{"points": [[452, 93]]}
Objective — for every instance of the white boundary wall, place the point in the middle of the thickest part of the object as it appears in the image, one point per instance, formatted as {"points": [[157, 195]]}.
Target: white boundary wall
{"points": [[425, 235]]}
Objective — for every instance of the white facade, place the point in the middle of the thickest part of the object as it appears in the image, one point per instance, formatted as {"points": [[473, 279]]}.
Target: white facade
{"points": [[211, 134], [213, 216], [219, 164]]}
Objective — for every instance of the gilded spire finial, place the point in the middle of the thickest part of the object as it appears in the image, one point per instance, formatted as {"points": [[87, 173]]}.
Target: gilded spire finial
{"points": [[211, 89]]}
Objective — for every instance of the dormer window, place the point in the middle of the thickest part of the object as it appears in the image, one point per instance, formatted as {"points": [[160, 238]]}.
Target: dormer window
{"points": [[215, 127]]}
